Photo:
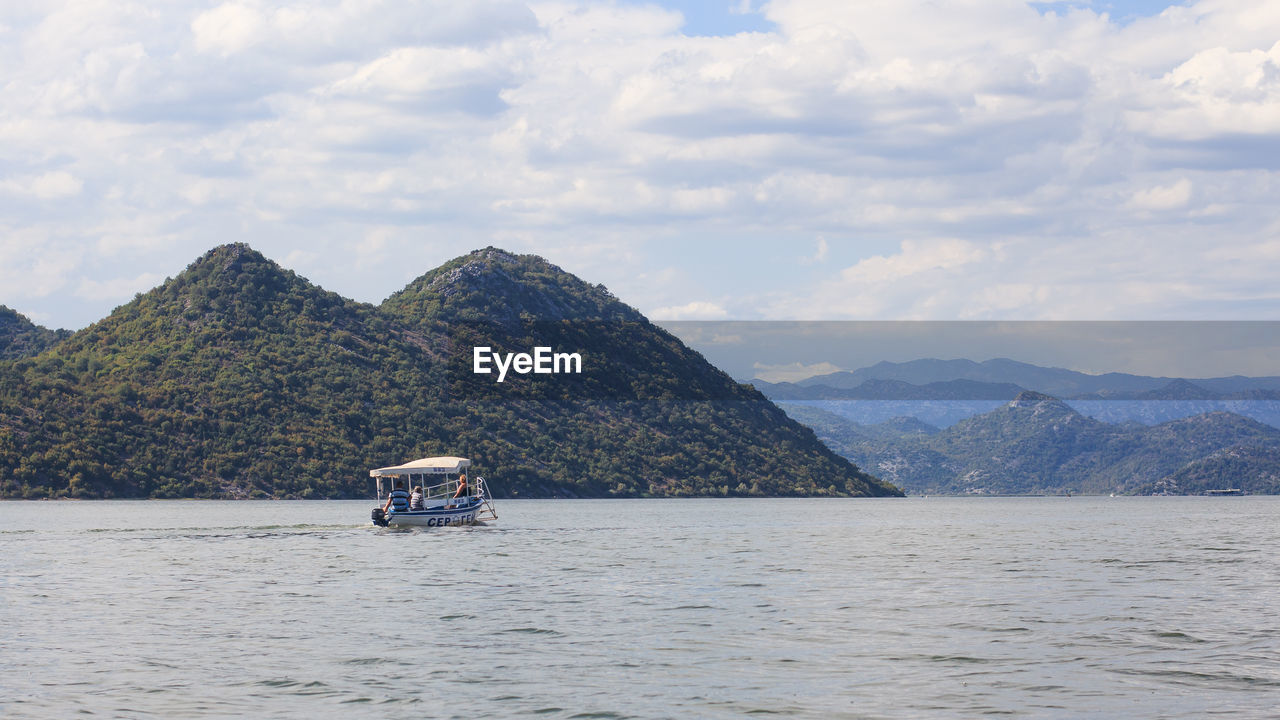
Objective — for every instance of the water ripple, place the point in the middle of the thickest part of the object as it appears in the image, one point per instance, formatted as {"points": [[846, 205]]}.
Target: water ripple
{"points": [[637, 609]]}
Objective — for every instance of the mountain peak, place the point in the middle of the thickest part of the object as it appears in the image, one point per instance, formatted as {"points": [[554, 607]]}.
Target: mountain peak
{"points": [[475, 267], [236, 265], [907, 425], [231, 286], [1033, 399], [232, 259], [496, 286]]}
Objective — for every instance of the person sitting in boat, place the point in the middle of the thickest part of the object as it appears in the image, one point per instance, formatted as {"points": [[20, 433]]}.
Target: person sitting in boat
{"points": [[415, 500], [398, 499], [462, 490]]}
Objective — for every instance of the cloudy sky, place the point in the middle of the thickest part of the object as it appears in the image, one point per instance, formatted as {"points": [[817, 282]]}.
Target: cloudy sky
{"points": [[791, 159]]}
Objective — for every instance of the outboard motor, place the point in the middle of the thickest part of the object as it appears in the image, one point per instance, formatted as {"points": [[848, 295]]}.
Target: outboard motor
{"points": [[378, 517]]}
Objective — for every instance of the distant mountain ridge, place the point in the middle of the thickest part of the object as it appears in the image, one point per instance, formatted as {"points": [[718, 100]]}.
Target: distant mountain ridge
{"points": [[238, 378], [1038, 444], [1002, 379], [875, 389]]}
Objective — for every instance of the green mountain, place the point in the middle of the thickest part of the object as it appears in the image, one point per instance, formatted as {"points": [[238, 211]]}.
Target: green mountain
{"points": [[19, 337], [240, 379], [1037, 444]]}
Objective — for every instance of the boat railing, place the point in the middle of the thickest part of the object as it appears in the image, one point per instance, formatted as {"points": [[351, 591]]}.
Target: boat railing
{"points": [[442, 495], [486, 505]]}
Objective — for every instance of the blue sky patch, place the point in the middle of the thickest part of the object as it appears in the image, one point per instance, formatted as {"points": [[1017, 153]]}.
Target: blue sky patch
{"points": [[717, 18], [1121, 11]]}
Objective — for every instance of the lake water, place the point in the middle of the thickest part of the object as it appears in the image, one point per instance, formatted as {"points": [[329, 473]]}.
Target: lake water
{"points": [[919, 607]]}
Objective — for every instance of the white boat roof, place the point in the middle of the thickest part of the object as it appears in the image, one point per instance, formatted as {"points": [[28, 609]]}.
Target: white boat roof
{"points": [[425, 466]]}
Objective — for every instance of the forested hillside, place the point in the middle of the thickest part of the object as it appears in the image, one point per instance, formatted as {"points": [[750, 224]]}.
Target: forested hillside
{"points": [[240, 379]]}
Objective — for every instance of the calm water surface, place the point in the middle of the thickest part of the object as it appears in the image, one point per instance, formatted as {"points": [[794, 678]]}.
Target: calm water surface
{"points": [[951, 607]]}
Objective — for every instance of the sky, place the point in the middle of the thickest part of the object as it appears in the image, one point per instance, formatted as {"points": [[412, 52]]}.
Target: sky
{"points": [[789, 351], [744, 160]]}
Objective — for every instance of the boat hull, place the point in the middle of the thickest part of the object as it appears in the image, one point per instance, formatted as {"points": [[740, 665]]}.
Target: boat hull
{"points": [[436, 517]]}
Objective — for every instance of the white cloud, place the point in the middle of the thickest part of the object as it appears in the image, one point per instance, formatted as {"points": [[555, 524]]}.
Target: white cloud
{"points": [[1164, 197], [45, 186], [228, 28], [697, 310], [1176, 273], [1016, 163], [915, 258], [301, 259], [792, 372], [1216, 92], [117, 289], [31, 267], [819, 254], [406, 73]]}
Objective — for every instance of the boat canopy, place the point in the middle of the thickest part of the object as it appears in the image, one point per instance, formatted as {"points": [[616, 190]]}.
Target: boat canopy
{"points": [[425, 466]]}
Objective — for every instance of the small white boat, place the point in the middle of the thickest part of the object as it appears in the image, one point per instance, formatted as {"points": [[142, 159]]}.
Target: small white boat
{"points": [[442, 503]]}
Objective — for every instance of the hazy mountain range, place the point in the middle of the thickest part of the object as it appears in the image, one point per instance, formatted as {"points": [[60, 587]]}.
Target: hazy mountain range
{"points": [[1003, 379], [1038, 444]]}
